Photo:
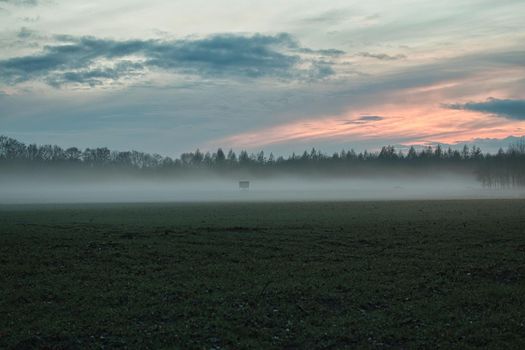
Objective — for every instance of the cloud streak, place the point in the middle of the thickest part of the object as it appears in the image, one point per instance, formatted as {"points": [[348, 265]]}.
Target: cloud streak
{"points": [[364, 119], [20, 2], [94, 61], [412, 124], [381, 56], [510, 109]]}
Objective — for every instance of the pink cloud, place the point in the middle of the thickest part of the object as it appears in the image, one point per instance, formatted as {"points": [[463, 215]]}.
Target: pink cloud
{"points": [[417, 124]]}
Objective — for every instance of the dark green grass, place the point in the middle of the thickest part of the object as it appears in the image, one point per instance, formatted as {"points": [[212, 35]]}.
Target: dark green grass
{"points": [[448, 274]]}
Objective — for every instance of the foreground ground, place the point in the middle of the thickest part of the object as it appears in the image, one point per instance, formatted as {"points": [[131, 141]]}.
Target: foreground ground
{"points": [[267, 275]]}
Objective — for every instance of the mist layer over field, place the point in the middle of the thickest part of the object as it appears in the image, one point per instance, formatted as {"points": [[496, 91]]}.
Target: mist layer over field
{"points": [[27, 189]]}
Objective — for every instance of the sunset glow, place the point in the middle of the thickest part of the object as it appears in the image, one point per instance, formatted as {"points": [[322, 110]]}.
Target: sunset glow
{"points": [[262, 75]]}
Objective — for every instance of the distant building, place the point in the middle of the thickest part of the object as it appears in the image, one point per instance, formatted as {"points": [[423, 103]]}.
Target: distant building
{"points": [[244, 185]]}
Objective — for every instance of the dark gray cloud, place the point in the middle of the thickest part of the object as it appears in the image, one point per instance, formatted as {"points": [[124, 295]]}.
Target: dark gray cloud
{"points": [[371, 118], [84, 59], [510, 109], [96, 76], [364, 119], [381, 56]]}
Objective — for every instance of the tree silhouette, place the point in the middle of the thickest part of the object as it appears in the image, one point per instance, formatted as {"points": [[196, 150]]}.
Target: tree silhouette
{"points": [[505, 168]]}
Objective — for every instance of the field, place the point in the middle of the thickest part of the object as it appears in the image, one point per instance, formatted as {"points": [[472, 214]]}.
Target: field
{"points": [[406, 274]]}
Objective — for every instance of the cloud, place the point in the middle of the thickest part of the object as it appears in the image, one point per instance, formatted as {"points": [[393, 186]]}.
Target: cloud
{"points": [[381, 56], [371, 118], [491, 145], [327, 52], [510, 109], [25, 33], [20, 2], [364, 119], [30, 19], [97, 76], [91, 60], [329, 17]]}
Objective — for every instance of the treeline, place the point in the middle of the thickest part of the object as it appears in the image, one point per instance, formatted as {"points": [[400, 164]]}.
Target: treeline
{"points": [[505, 168]]}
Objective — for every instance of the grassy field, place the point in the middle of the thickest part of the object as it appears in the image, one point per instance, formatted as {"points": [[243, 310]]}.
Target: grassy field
{"points": [[441, 274]]}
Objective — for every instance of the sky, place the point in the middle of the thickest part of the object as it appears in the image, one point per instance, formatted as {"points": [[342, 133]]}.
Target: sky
{"points": [[170, 76]]}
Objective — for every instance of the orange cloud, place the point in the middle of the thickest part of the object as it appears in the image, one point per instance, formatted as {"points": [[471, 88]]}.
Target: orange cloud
{"points": [[418, 125]]}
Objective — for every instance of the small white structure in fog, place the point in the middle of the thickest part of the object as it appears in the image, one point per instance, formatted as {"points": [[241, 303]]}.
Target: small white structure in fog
{"points": [[244, 185]]}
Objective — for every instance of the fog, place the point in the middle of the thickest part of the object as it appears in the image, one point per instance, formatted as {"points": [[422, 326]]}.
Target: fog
{"points": [[27, 189]]}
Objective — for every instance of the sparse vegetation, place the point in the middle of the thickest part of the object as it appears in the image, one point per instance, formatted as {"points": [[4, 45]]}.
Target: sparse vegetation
{"points": [[442, 274]]}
